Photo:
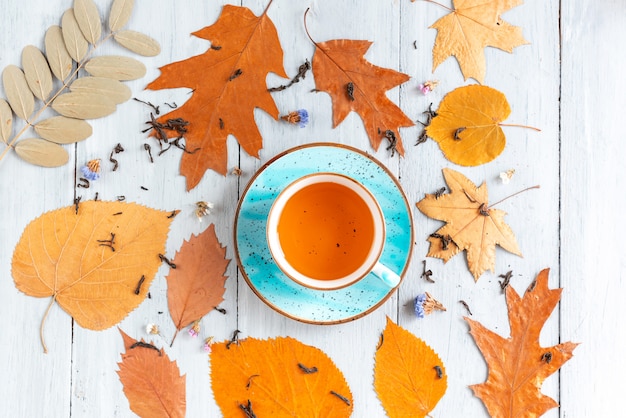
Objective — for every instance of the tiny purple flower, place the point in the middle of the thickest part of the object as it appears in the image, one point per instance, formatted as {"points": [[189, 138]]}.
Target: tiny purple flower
{"points": [[91, 170], [424, 304], [418, 305], [298, 117]]}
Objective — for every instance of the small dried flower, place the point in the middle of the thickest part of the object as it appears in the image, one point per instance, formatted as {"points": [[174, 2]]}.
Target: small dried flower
{"points": [[152, 329], [428, 86], [424, 304], [506, 176], [237, 171], [203, 209], [91, 170], [297, 117], [194, 330], [208, 343]]}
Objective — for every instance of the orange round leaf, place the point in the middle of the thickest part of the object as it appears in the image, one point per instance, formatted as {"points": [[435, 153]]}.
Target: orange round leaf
{"points": [[467, 125]]}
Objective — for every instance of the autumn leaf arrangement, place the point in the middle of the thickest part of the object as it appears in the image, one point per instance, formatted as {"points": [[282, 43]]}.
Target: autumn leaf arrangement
{"points": [[50, 80]]}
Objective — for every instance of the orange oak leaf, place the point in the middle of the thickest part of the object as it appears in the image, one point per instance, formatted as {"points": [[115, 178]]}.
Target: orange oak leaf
{"points": [[355, 84], [471, 225], [409, 376], [467, 125], [90, 259], [196, 285], [278, 378], [228, 83], [518, 365], [152, 383], [470, 27]]}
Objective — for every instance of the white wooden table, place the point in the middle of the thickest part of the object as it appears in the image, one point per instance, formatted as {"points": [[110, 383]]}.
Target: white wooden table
{"points": [[568, 81]]}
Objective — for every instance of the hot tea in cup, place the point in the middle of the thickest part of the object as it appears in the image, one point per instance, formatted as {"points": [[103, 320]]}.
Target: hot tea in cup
{"points": [[327, 231]]}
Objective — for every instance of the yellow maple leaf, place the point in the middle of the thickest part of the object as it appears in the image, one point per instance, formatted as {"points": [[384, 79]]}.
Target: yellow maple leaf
{"points": [[471, 225], [90, 259], [471, 26], [409, 376]]}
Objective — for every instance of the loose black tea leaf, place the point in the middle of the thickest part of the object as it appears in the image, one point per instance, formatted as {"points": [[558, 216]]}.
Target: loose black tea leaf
{"points": [[156, 108], [234, 339], [307, 370], [546, 357], [108, 242], [350, 90], [438, 371], [138, 288], [83, 183], [391, 137], [466, 306], [507, 279], [247, 409], [440, 192], [426, 274], [457, 133], [145, 345], [236, 74], [167, 261], [343, 398], [300, 76], [149, 150]]}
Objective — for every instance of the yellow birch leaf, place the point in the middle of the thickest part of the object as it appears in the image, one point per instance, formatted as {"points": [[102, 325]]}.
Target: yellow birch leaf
{"points": [[277, 378], [409, 376], [90, 259]]}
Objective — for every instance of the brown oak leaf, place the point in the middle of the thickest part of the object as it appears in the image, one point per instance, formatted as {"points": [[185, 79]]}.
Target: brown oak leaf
{"points": [[355, 84], [409, 376], [196, 285], [518, 365], [471, 225], [152, 383], [90, 258], [278, 378], [471, 26], [228, 83]]}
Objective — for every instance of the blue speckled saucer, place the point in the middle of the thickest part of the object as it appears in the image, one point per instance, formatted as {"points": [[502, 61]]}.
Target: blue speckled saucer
{"points": [[253, 254]]}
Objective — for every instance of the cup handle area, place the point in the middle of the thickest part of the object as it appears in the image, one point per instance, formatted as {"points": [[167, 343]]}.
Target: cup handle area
{"points": [[385, 274]]}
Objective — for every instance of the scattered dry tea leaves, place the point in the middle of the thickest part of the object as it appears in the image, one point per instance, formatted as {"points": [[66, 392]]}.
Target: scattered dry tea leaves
{"points": [[196, 286], [471, 26], [88, 258], [152, 383], [224, 105], [409, 377], [471, 225], [355, 84], [518, 365], [268, 377]]}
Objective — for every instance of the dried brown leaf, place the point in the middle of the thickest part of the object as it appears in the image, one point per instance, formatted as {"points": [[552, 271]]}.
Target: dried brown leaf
{"points": [[63, 130], [196, 286], [120, 14], [116, 67], [82, 105], [6, 121], [18, 93], [41, 152], [37, 72], [138, 43], [75, 42], [59, 59], [88, 18], [112, 89]]}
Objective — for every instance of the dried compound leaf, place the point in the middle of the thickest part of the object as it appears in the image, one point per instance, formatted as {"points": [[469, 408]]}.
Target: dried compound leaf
{"points": [[58, 58], [152, 383], [75, 42], [6, 121], [409, 377], [41, 152], [120, 14], [138, 43], [82, 105], [108, 87], [37, 72], [18, 93], [266, 373], [89, 259], [88, 19], [116, 67], [63, 130]]}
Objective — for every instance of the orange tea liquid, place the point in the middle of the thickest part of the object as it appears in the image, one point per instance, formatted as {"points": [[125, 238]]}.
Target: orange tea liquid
{"points": [[326, 231]]}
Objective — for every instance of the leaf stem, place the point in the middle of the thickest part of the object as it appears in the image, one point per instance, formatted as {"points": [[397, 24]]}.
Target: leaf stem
{"points": [[514, 194], [43, 322], [174, 337], [519, 126], [439, 4], [47, 104]]}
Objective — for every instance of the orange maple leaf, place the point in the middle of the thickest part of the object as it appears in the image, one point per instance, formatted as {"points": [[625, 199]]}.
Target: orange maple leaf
{"points": [[409, 376], [470, 27], [228, 83], [196, 285], [471, 224], [519, 365], [152, 383], [355, 84], [90, 259], [277, 378]]}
